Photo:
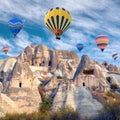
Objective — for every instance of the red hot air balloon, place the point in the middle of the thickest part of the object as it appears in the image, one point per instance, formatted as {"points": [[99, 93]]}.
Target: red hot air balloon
{"points": [[5, 50], [102, 42]]}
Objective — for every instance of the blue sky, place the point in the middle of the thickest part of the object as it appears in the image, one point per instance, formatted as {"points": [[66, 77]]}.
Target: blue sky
{"points": [[89, 19]]}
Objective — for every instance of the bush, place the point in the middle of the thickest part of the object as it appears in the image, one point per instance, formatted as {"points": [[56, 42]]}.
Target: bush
{"points": [[67, 79], [62, 114], [94, 88], [45, 105], [110, 94], [108, 79], [114, 86], [66, 113], [24, 116], [111, 113], [59, 77]]}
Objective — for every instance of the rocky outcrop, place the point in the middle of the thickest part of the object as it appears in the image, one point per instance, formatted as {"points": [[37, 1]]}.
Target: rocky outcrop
{"points": [[6, 70], [79, 98], [62, 62], [111, 67], [90, 73], [58, 74], [85, 104], [28, 100], [34, 66], [22, 74], [7, 105]]}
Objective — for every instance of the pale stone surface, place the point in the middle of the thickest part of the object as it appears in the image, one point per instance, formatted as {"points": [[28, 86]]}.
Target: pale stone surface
{"points": [[38, 65], [27, 99], [7, 104], [1, 87], [78, 98], [85, 104], [62, 61], [97, 78]]}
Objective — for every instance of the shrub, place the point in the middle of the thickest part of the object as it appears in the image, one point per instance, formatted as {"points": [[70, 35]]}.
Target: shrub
{"points": [[110, 94], [66, 113], [59, 77], [62, 114], [67, 79], [94, 88], [108, 79], [111, 113], [114, 86], [45, 105]]}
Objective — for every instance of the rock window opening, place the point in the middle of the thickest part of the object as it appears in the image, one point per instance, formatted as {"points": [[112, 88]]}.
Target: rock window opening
{"points": [[1, 80], [43, 63], [2, 73], [83, 84], [89, 72], [50, 63], [20, 84]]}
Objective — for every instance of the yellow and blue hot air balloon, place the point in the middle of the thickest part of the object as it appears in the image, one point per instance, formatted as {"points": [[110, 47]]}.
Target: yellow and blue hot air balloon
{"points": [[57, 20], [15, 25], [102, 42], [80, 46]]}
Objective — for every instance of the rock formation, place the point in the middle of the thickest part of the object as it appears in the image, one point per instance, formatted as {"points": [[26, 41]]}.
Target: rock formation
{"points": [[79, 98], [111, 67], [58, 74], [90, 73]]}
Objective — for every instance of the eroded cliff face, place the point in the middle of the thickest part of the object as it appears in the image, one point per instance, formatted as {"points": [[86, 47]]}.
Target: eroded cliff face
{"points": [[79, 98], [21, 76], [111, 67], [91, 74], [62, 62], [59, 73]]}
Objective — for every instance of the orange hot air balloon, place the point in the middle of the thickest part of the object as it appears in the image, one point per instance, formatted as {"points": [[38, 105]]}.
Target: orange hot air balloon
{"points": [[5, 50], [102, 42]]}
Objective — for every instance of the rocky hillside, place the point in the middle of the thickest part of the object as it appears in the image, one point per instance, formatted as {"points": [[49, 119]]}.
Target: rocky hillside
{"points": [[111, 68], [39, 73]]}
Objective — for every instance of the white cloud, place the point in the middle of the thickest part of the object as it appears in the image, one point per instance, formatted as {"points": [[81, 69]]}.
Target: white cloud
{"points": [[89, 18]]}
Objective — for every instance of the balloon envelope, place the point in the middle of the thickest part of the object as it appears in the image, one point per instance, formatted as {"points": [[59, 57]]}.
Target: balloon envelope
{"points": [[115, 56], [102, 42], [15, 25], [79, 46], [5, 50], [57, 20]]}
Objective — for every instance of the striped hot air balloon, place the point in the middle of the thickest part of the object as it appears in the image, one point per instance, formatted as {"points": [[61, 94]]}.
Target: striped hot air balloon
{"points": [[15, 25], [57, 21], [5, 49], [115, 55], [79, 46], [102, 42]]}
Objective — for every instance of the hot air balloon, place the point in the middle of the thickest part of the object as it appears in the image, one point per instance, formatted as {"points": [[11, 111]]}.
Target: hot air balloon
{"points": [[102, 42], [79, 46], [114, 56], [15, 26], [5, 49], [57, 21]]}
